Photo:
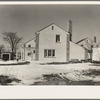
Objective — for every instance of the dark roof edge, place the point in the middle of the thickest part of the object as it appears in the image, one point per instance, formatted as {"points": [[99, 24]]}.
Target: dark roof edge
{"points": [[77, 44], [81, 40]]}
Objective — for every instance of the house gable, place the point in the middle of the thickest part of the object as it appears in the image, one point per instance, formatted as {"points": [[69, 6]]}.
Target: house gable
{"points": [[52, 38], [87, 43], [30, 43], [52, 27]]}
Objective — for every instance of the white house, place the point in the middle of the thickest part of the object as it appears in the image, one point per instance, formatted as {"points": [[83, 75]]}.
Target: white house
{"points": [[88, 44], [50, 45], [28, 50], [53, 44], [96, 54]]}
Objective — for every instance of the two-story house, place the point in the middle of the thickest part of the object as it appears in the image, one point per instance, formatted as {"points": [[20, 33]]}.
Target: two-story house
{"points": [[52, 44]]}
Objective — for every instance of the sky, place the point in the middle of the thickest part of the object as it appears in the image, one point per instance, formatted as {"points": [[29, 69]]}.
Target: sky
{"points": [[27, 19]]}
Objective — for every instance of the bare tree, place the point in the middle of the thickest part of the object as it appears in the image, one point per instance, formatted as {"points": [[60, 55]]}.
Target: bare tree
{"points": [[13, 40], [2, 49]]}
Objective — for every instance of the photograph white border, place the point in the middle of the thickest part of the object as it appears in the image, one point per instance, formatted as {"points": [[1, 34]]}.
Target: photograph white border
{"points": [[49, 92]]}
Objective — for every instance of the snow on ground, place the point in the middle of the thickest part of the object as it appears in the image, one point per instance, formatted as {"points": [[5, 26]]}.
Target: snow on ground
{"points": [[10, 62], [32, 72]]}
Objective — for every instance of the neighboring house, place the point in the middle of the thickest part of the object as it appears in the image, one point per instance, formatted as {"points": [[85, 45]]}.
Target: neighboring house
{"points": [[77, 52], [28, 50], [96, 54], [6, 56], [88, 44]]}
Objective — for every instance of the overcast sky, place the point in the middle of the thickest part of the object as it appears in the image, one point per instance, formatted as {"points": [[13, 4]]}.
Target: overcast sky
{"points": [[27, 19]]}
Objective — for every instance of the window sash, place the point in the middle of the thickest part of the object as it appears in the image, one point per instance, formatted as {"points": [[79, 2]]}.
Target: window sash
{"points": [[29, 46], [52, 27], [57, 38], [45, 53], [33, 51], [29, 54], [53, 53], [49, 53]]}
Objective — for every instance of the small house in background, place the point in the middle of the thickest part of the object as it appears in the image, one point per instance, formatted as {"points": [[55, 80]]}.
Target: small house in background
{"points": [[88, 44], [6, 56], [96, 53], [28, 50]]}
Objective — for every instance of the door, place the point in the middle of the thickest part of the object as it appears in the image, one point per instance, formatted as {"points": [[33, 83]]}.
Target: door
{"points": [[5, 57]]}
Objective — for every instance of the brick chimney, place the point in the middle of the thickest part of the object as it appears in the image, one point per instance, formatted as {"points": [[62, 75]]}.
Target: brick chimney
{"points": [[69, 29], [95, 39]]}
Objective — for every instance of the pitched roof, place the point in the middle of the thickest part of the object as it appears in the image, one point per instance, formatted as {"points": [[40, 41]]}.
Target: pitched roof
{"points": [[77, 44], [50, 25], [81, 40], [30, 40], [27, 42]]}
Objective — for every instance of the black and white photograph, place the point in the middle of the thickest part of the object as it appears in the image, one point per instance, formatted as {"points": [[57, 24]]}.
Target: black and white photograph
{"points": [[49, 45]]}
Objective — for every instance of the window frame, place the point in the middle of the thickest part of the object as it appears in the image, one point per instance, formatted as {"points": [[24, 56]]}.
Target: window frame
{"points": [[29, 46], [59, 39], [49, 53], [28, 54], [52, 27], [33, 51]]}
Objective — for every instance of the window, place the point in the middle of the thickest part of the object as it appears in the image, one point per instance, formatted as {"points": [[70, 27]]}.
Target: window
{"points": [[91, 46], [57, 38], [53, 54], [52, 27], [82, 45], [29, 45], [29, 54], [49, 53], [45, 53], [33, 51]]}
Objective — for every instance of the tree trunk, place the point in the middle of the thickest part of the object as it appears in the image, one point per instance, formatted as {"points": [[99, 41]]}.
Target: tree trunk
{"points": [[12, 55]]}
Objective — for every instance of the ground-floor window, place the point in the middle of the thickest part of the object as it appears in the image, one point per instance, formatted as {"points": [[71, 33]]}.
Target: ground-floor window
{"points": [[29, 54], [33, 51], [49, 53]]}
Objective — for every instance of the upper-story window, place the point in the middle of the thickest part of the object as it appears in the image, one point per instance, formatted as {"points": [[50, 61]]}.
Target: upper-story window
{"points": [[82, 45], [52, 27], [33, 51], [29, 45], [57, 38]]}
